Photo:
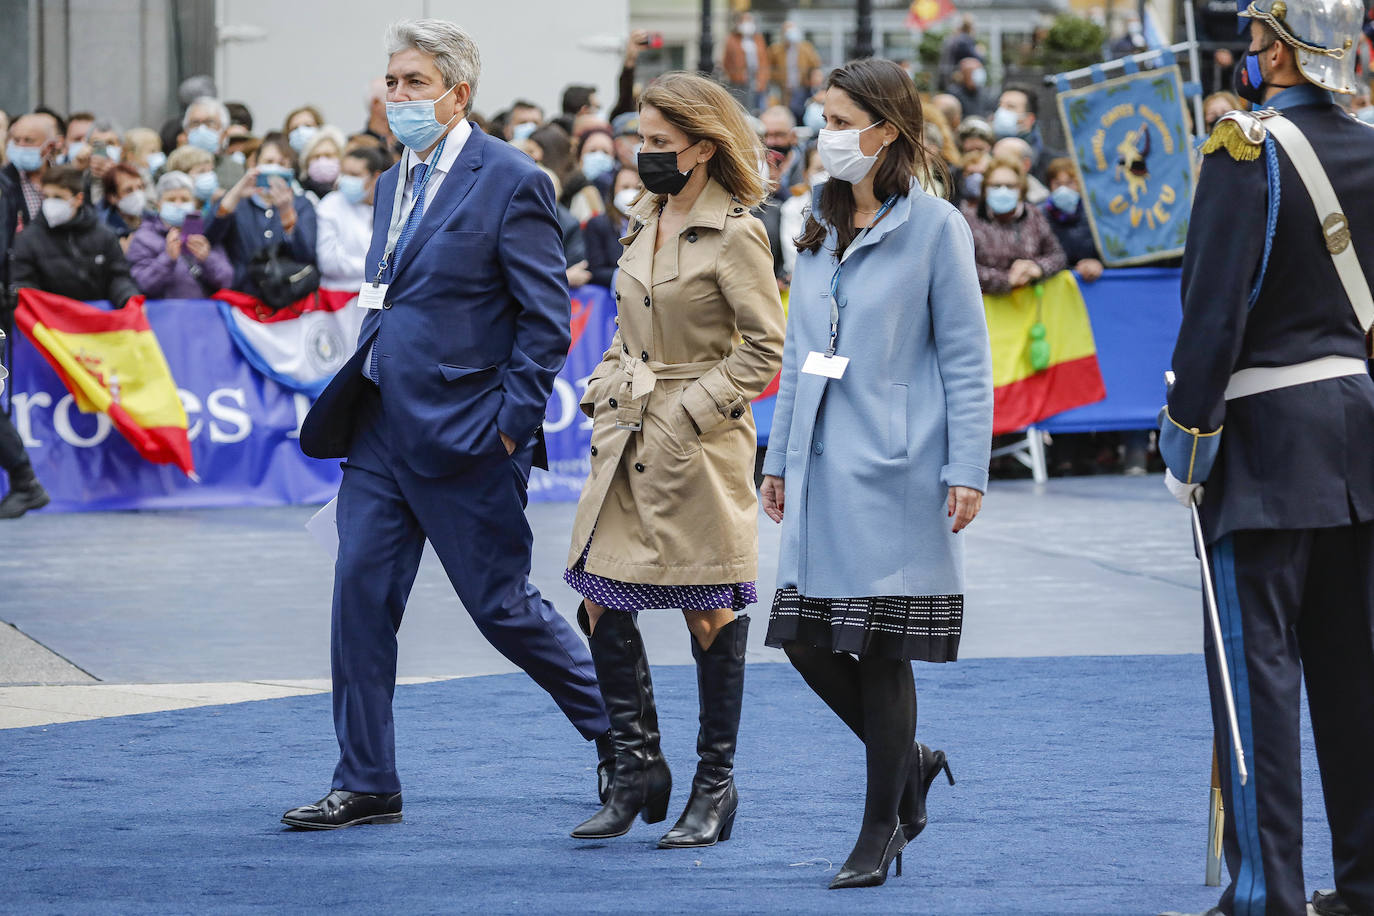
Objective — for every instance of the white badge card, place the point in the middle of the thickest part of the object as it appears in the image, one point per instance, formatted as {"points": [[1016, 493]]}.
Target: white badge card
{"points": [[371, 297], [818, 363]]}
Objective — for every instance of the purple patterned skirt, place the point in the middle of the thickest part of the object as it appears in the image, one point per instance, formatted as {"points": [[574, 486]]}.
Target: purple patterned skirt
{"points": [[637, 596]]}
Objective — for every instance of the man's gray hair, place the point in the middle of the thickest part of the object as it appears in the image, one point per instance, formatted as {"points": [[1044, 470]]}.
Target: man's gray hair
{"points": [[106, 126], [207, 101], [174, 181], [455, 53]]}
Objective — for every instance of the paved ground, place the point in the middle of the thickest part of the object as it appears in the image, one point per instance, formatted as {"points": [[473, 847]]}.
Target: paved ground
{"points": [[1082, 566]]}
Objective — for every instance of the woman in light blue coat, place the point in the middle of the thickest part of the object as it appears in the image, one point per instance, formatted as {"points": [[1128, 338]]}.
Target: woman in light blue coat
{"points": [[878, 455]]}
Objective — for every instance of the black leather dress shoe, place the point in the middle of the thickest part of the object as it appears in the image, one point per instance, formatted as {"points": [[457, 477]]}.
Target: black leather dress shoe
{"points": [[341, 808], [1329, 903]]}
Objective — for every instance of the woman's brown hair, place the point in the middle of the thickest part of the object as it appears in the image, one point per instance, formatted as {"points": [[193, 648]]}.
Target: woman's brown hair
{"points": [[704, 110], [884, 91]]}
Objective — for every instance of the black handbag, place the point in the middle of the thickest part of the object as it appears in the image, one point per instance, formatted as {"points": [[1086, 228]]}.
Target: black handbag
{"points": [[280, 280]]}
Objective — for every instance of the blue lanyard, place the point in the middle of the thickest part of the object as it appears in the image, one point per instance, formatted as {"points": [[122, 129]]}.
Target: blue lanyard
{"points": [[393, 233], [835, 278]]}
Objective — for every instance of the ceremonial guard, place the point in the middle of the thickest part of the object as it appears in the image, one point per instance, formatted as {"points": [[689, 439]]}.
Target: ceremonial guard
{"points": [[1272, 410]]}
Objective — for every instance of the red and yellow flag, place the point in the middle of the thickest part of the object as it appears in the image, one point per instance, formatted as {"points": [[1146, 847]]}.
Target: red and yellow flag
{"points": [[922, 14], [111, 362], [1021, 393]]}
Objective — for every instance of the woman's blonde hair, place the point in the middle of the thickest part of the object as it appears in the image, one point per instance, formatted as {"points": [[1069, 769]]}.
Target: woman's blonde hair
{"points": [[704, 110]]}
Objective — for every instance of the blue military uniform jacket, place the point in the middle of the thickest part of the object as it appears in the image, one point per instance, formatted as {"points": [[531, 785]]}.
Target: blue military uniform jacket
{"points": [[1260, 289]]}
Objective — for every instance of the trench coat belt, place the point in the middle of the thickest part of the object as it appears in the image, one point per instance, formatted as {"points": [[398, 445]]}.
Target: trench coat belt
{"points": [[644, 376]]}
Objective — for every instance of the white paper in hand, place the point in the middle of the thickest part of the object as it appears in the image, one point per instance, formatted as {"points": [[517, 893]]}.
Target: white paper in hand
{"points": [[324, 527]]}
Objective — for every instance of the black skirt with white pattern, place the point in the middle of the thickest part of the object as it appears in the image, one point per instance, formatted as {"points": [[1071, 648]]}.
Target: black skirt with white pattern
{"points": [[904, 627]]}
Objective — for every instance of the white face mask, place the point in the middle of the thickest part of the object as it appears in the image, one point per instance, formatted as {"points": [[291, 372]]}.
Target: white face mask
{"points": [[57, 211], [625, 198], [841, 155], [132, 204], [747, 29]]}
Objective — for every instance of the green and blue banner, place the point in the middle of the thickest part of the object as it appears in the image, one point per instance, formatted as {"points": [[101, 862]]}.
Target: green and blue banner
{"points": [[1129, 138]]}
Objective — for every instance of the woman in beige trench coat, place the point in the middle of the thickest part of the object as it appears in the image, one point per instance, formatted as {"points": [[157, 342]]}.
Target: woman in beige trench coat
{"points": [[668, 515]]}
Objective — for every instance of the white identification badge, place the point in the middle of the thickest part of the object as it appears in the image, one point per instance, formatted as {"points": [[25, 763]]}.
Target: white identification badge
{"points": [[818, 363], [372, 297]]}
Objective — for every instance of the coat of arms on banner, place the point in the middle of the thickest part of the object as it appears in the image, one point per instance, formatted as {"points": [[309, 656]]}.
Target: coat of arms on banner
{"points": [[1130, 140]]}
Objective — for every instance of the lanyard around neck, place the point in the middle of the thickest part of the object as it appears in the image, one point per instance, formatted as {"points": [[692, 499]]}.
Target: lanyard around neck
{"points": [[835, 278], [393, 232]]}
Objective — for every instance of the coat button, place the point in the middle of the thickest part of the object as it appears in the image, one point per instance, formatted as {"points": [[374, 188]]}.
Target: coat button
{"points": [[646, 301], [819, 447], [617, 297], [739, 209], [386, 305], [593, 451], [692, 236], [644, 355], [613, 403], [736, 414], [267, 213], [639, 467], [267, 234]]}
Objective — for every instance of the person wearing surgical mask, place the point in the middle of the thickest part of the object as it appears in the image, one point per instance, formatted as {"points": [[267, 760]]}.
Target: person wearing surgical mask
{"points": [[301, 126], [602, 234], [745, 62], [1068, 219], [169, 256], [524, 119], [881, 433], [104, 150], [969, 86], [587, 186], [205, 124], [124, 200], [1012, 241], [1015, 116], [68, 250], [28, 151], [256, 214], [345, 219], [320, 163], [790, 60], [200, 166]]}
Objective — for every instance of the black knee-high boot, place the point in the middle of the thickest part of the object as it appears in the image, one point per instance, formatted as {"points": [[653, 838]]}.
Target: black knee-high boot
{"points": [[889, 716], [710, 812], [834, 676], [642, 782]]}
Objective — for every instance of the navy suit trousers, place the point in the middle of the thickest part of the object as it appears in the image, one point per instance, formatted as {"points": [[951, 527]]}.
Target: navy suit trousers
{"points": [[1295, 605], [476, 522]]}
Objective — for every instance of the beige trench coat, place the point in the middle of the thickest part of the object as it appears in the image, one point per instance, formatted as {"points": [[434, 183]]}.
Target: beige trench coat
{"points": [[671, 491]]}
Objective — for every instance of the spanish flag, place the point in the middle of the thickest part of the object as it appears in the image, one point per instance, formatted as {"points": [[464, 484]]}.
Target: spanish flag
{"points": [[1028, 383], [111, 362]]}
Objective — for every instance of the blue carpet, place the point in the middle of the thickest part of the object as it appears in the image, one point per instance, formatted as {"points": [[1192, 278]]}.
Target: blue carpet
{"points": [[1082, 788]]}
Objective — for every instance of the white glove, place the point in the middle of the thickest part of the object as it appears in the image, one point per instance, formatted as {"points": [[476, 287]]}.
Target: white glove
{"points": [[1185, 493]]}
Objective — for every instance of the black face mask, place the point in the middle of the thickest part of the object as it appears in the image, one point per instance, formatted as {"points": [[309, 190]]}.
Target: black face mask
{"points": [[658, 172]]}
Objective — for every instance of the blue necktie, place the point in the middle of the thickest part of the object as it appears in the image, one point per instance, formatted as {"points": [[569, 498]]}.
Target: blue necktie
{"points": [[417, 212]]}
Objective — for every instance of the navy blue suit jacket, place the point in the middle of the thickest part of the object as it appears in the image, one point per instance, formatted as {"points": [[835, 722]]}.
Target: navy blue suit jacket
{"points": [[476, 323]]}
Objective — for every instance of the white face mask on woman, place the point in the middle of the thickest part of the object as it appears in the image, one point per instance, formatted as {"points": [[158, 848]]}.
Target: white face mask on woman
{"points": [[842, 156], [57, 211]]}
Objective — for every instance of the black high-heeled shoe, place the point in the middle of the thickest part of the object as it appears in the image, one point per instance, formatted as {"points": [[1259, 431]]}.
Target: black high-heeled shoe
{"points": [[848, 877], [925, 766]]}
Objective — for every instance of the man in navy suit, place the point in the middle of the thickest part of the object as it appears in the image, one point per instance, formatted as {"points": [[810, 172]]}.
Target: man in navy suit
{"points": [[438, 415]]}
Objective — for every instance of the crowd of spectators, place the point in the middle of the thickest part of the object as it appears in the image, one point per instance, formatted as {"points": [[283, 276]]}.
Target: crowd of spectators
{"points": [[96, 212]]}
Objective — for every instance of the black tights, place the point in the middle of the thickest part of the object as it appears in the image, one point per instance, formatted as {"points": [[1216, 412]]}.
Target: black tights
{"points": [[876, 698]]}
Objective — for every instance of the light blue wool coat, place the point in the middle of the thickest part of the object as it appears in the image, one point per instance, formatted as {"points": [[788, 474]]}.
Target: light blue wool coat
{"points": [[868, 459]]}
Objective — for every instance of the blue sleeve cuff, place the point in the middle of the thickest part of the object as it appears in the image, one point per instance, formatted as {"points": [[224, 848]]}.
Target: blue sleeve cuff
{"points": [[965, 475], [775, 461], [1187, 451]]}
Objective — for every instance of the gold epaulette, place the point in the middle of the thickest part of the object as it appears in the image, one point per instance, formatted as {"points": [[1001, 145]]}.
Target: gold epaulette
{"points": [[1244, 140]]}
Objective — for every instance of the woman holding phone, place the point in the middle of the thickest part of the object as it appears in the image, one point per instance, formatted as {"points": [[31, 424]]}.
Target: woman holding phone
{"points": [[264, 209], [878, 455]]}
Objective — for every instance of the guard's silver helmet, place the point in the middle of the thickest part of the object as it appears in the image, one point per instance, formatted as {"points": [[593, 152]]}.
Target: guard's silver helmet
{"points": [[1320, 32]]}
